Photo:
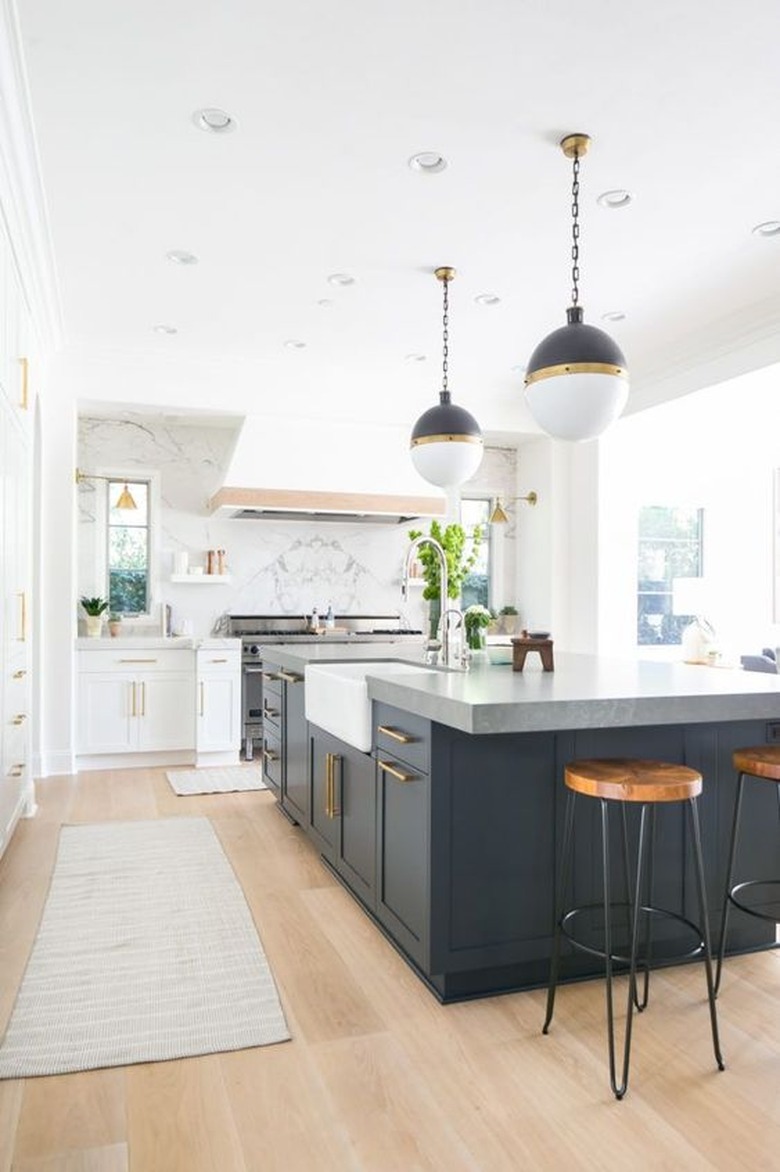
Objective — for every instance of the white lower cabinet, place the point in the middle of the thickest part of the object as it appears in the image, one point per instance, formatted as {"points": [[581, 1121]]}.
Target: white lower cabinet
{"points": [[142, 703], [218, 726]]}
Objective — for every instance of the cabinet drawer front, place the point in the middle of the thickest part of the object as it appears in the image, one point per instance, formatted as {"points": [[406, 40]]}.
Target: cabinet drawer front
{"points": [[272, 759], [138, 663], [403, 735], [219, 662]]}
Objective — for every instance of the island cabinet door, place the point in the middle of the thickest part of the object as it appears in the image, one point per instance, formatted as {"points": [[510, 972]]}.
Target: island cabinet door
{"points": [[322, 821], [402, 891], [354, 787]]}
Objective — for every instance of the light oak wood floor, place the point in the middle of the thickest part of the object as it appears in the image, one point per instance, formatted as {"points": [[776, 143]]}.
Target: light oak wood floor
{"points": [[379, 1077]]}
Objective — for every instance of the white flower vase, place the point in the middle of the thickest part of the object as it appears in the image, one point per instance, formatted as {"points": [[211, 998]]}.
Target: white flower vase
{"points": [[94, 626]]}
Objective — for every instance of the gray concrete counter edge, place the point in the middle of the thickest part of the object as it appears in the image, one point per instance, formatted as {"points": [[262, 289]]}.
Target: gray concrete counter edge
{"points": [[583, 692]]}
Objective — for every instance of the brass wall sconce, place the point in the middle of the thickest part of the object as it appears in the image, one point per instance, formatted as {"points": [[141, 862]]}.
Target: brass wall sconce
{"points": [[499, 515], [125, 499]]}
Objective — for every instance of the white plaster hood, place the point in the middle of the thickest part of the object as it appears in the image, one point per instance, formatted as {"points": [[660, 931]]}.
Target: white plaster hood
{"points": [[324, 470]]}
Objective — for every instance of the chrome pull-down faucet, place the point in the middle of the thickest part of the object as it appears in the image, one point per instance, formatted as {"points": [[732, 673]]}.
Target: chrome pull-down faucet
{"points": [[449, 655]]}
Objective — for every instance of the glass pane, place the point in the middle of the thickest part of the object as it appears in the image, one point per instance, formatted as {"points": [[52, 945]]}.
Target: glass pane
{"points": [[670, 546], [128, 546], [476, 584]]}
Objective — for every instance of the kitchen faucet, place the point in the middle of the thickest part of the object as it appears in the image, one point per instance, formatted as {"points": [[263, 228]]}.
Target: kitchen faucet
{"points": [[449, 655]]}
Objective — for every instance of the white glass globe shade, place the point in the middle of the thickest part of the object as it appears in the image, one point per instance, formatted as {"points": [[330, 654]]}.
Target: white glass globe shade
{"points": [[449, 463], [577, 406]]}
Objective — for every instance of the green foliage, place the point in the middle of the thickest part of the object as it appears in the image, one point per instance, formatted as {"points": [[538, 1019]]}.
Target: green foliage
{"points": [[94, 606], [453, 540], [508, 610], [127, 589]]}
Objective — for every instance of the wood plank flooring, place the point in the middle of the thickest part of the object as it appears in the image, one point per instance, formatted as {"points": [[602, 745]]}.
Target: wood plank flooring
{"points": [[379, 1077]]}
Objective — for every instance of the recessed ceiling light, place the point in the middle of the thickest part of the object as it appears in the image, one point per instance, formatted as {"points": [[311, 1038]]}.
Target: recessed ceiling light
{"points": [[487, 299], [341, 279], [325, 302], [213, 120], [768, 228], [165, 329], [429, 162], [415, 358], [178, 256], [614, 315], [295, 344], [615, 199]]}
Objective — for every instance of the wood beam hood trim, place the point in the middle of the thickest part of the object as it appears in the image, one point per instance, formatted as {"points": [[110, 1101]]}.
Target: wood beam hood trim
{"points": [[304, 504]]}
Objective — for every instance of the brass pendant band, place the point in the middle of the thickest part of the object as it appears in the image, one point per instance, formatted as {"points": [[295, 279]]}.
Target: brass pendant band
{"points": [[575, 368], [446, 439]]}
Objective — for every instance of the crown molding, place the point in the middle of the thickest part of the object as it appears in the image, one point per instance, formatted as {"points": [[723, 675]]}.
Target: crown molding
{"points": [[22, 196]]}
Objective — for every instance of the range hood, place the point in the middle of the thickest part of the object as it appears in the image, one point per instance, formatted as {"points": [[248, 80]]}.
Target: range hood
{"points": [[283, 469]]}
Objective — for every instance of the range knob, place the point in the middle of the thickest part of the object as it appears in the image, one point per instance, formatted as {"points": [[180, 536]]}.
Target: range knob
{"points": [[253, 649]]}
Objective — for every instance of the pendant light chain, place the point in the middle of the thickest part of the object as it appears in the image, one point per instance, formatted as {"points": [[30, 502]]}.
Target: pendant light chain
{"points": [[575, 230], [445, 394]]}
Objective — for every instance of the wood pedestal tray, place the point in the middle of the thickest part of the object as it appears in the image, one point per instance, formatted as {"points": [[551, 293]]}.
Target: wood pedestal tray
{"points": [[535, 641]]}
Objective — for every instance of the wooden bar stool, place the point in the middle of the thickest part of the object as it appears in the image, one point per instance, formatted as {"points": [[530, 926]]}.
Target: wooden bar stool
{"points": [[762, 764], [625, 780]]}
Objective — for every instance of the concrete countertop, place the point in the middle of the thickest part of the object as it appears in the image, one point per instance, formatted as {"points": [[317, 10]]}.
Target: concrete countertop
{"points": [[583, 692]]}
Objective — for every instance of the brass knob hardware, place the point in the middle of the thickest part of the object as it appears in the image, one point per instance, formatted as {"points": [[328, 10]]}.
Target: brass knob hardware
{"points": [[19, 719], [20, 674], [16, 771], [398, 774]]}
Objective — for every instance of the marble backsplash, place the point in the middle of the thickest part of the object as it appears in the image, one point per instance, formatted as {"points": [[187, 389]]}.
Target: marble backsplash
{"points": [[275, 567]]}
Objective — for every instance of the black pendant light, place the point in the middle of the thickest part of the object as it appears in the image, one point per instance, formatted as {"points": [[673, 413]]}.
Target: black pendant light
{"points": [[446, 443], [576, 380]]}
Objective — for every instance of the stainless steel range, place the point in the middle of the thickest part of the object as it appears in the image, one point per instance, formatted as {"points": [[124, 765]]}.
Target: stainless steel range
{"points": [[256, 630]]}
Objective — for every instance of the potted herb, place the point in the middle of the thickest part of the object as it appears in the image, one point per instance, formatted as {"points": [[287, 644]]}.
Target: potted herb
{"points": [[507, 620], [94, 609], [114, 624], [461, 551]]}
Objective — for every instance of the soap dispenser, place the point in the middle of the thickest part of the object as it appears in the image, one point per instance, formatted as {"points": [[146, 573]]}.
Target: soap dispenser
{"points": [[329, 619], [314, 621]]}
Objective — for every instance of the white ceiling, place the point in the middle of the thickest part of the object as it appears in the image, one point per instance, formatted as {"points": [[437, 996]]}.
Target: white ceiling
{"points": [[331, 99]]}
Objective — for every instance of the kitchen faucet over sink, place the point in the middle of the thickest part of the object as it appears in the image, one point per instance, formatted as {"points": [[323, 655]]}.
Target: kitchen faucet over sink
{"points": [[449, 652]]}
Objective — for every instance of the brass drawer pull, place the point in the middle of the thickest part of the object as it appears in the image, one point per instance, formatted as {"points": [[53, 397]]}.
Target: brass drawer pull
{"points": [[138, 661], [16, 771], [271, 675], [217, 661], [395, 735], [290, 676], [19, 719], [270, 711], [398, 774], [270, 755]]}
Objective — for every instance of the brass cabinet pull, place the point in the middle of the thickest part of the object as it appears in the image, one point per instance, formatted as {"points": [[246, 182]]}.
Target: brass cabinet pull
{"points": [[143, 698], [396, 735], [217, 661], [201, 697], [271, 675], [290, 676], [270, 755], [270, 711], [25, 365], [132, 700], [19, 675], [328, 785], [22, 637], [138, 661], [335, 810], [16, 771], [398, 774], [19, 719]]}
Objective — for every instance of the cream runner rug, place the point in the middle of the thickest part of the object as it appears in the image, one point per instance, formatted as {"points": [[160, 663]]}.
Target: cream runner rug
{"points": [[216, 780], [146, 951]]}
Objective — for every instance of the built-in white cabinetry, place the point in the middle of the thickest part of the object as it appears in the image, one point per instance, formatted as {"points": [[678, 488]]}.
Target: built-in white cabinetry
{"points": [[218, 727], [136, 701], [16, 785]]}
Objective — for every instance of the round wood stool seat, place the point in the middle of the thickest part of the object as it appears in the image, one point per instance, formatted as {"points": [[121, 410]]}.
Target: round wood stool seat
{"points": [[630, 779], [763, 761]]}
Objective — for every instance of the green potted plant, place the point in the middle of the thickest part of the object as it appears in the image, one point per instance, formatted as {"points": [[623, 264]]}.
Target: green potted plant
{"points": [[507, 620], [461, 557], [114, 623], [94, 609]]}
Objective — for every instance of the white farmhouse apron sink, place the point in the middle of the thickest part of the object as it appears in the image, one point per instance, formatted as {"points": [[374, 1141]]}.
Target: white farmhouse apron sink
{"points": [[337, 696]]}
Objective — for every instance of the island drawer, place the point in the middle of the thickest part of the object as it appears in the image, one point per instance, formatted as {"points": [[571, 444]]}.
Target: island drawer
{"points": [[403, 735]]}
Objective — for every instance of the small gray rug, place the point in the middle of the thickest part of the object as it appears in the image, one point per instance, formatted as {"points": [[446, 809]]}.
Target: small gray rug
{"points": [[146, 951], [216, 780]]}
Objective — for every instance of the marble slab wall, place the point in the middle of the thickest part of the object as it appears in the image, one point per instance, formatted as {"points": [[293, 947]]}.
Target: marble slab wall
{"points": [[275, 567]]}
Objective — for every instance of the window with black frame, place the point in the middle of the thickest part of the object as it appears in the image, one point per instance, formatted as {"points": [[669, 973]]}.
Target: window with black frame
{"points": [[670, 547], [128, 546]]}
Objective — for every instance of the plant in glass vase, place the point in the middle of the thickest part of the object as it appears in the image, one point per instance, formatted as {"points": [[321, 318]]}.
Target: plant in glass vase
{"points": [[476, 619], [461, 551]]}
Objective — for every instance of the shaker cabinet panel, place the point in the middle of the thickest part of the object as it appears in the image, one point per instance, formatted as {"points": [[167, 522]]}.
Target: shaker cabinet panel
{"points": [[106, 713]]}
